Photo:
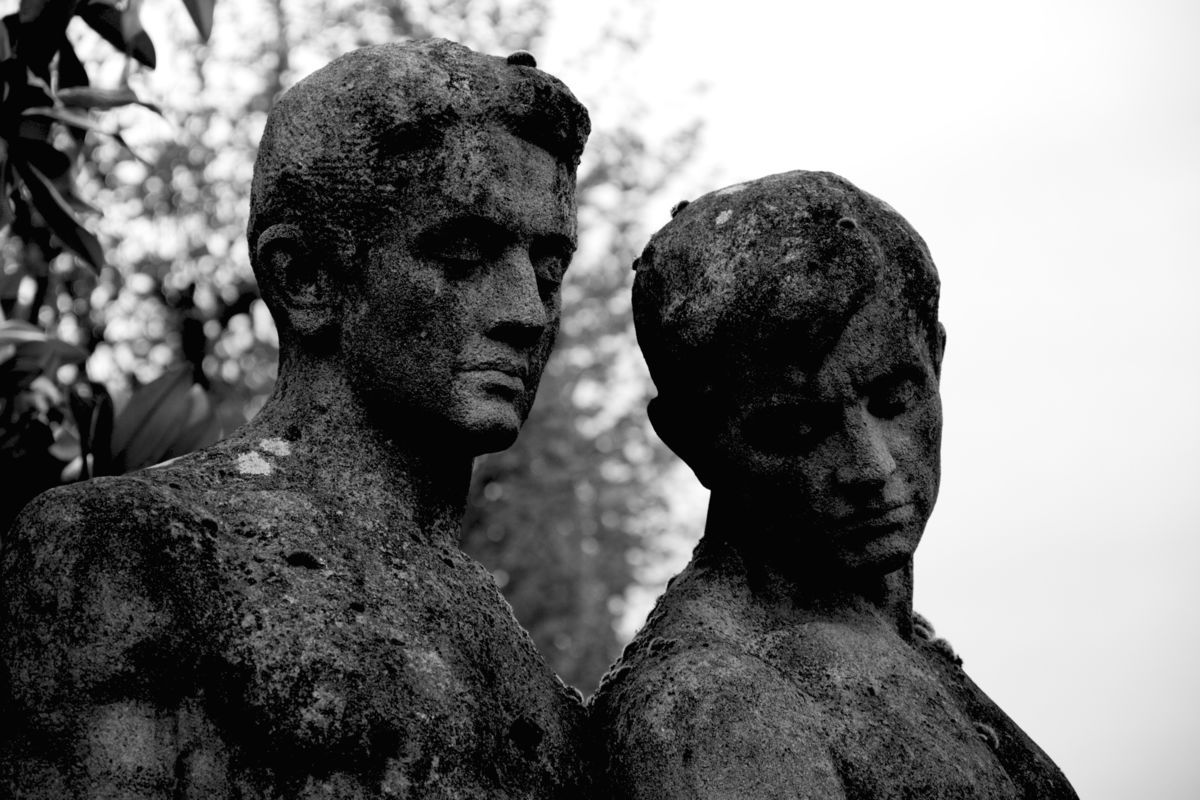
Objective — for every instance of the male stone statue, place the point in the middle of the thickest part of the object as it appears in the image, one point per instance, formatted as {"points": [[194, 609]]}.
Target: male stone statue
{"points": [[287, 614], [790, 325]]}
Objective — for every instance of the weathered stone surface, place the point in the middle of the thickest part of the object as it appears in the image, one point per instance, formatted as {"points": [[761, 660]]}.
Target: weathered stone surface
{"points": [[287, 614], [790, 325]]}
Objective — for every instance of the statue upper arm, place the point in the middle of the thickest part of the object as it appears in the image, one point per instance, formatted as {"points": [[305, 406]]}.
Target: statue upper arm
{"points": [[93, 646]]}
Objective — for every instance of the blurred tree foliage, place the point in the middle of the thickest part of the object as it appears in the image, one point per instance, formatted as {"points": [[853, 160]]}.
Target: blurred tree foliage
{"points": [[55, 423], [169, 323]]}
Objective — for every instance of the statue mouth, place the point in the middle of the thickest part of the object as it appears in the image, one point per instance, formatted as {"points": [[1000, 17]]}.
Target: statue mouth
{"points": [[505, 366], [504, 376], [876, 520]]}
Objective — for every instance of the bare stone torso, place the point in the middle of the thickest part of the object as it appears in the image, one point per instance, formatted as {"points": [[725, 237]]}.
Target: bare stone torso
{"points": [[287, 614], [273, 642], [722, 692]]}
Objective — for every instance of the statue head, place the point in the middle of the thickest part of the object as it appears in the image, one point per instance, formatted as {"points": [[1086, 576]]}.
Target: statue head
{"points": [[790, 326], [412, 215]]}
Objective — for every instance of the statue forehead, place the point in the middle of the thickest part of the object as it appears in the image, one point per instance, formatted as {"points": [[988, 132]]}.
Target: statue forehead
{"points": [[775, 269], [342, 145], [790, 245], [882, 337], [490, 172]]}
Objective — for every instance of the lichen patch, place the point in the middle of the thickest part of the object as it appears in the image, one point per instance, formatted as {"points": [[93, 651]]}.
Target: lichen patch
{"points": [[276, 447], [253, 463]]}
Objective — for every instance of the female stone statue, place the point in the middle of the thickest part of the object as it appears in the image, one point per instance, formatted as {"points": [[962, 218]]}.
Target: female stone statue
{"points": [[790, 325]]}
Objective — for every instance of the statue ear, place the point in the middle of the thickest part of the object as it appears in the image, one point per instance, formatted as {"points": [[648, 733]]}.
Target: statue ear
{"points": [[301, 281], [686, 429]]}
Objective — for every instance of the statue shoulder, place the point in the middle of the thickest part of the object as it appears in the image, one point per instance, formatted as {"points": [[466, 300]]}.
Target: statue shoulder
{"points": [[100, 585], [1024, 761], [107, 525]]}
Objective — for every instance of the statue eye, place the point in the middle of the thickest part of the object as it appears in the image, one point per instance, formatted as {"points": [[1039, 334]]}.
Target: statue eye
{"points": [[461, 252], [550, 262], [461, 245], [892, 398]]}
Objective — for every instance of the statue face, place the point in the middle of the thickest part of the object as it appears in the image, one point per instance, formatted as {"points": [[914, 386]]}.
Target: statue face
{"points": [[459, 302], [846, 458]]}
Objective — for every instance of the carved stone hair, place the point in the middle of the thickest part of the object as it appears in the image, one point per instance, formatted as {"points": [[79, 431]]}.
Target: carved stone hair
{"points": [[790, 256], [341, 145]]}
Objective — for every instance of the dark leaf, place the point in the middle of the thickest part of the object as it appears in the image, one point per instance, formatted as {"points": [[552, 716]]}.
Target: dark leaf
{"points": [[68, 117], [77, 203], [6, 51], [32, 93], [27, 352], [6, 206], [34, 346], [70, 69], [92, 97], [89, 401], [126, 35], [43, 24], [56, 352], [15, 331], [60, 217], [48, 114], [33, 128], [99, 441], [30, 10], [83, 405], [18, 371], [202, 14], [49, 160], [144, 431], [201, 433], [66, 447]]}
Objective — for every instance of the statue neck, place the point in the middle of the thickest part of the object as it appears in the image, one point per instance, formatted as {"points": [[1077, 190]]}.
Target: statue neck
{"points": [[391, 476], [776, 565]]}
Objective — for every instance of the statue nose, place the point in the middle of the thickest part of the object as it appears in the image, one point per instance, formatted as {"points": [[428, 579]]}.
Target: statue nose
{"points": [[519, 315], [867, 459]]}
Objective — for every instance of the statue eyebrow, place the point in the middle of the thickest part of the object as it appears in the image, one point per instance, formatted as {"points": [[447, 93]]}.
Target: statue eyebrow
{"points": [[490, 232], [470, 225], [908, 371]]}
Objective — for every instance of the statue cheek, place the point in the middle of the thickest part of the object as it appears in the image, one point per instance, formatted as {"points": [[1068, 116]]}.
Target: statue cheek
{"points": [[411, 300]]}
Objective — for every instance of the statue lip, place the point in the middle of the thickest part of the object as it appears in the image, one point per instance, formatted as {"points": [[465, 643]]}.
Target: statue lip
{"points": [[877, 518], [500, 372]]}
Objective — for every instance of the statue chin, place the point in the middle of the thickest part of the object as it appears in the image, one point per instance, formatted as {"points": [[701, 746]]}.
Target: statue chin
{"points": [[491, 440], [880, 554], [875, 563], [487, 430]]}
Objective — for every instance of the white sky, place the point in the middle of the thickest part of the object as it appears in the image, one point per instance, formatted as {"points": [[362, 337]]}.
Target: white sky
{"points": [[1049, 153]]}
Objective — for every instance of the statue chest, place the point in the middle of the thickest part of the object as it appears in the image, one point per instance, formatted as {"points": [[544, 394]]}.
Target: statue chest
{"points": [[894, 729], [401, 665]]}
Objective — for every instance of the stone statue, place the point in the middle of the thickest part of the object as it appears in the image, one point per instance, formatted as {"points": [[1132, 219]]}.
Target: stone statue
{"points": [[790, 325], [287, 614]]}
